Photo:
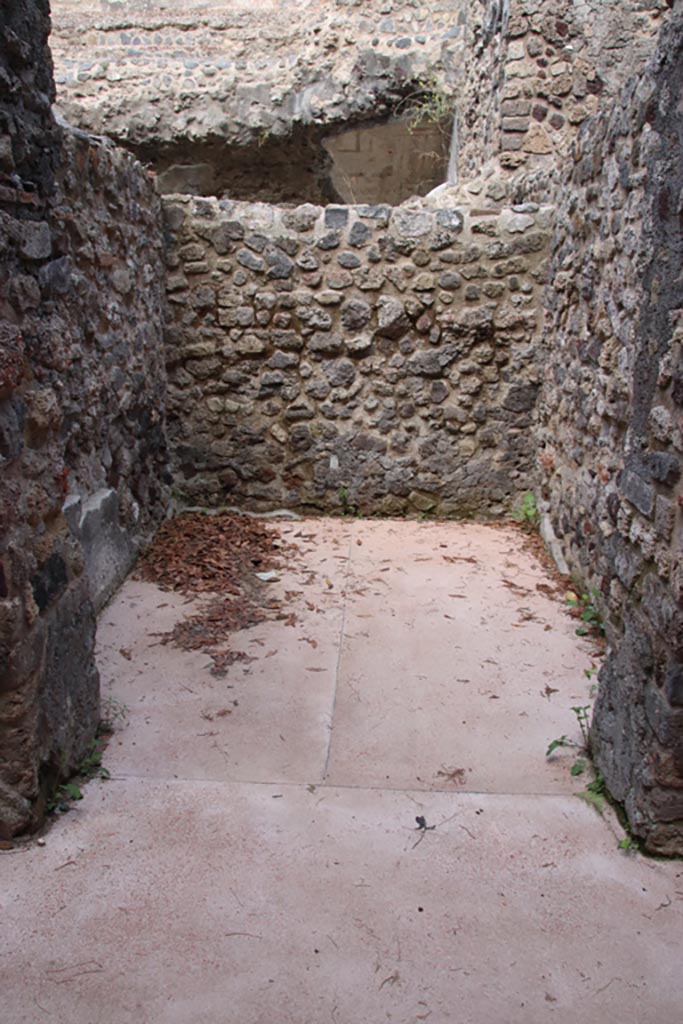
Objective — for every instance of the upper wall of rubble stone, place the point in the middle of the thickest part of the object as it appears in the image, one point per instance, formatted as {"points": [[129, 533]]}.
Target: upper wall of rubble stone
{"points": [[170, 79], [149, 72]]}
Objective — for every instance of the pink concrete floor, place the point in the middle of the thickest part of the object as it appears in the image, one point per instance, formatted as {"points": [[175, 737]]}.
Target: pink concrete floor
{"points": [[254, 858]]}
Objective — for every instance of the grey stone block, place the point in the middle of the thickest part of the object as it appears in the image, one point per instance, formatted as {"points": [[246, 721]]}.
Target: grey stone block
{"points": [[15, 811], [336, 216], [36, 240], [638, 492], [108, 550]]}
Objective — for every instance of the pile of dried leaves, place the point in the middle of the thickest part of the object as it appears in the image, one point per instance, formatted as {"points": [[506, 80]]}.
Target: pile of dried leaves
{"points": [[217, 555]]}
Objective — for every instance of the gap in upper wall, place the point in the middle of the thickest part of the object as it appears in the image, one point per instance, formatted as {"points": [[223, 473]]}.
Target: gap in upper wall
{"points": [[386, 162]]}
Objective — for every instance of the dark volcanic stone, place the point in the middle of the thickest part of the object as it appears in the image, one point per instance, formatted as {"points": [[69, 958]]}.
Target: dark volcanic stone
{"points": [[355, 314], [359, 235], [341, 373], [251, 262], [336, 216], [50, 581]]}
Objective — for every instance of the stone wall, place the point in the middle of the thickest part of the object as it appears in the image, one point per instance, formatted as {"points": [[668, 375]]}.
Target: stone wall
{"points": [[612, 420], [386, 355], [104, 299], [81, 411], [151, 72], [560, 58], [479, 89], [540, 71]]}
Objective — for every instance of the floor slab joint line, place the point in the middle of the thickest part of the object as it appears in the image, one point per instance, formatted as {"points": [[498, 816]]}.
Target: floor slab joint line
{"points": [[342, 630], [287, 784]]}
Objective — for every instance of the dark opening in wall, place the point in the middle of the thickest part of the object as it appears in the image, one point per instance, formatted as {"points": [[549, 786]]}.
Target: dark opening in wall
{"points": [[366, 163], [388, 163]]}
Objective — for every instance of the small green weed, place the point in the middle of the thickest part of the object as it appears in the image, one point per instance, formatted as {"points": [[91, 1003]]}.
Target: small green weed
{"points": [[593, 688], [61, 795], [263, 137], [561, 741], [586, 605], [598, 786], [349, 508], [582, 713], [583, 718], [90, 767], [630, 844], [594, 800], [527, 514], [427, 104], [595, 794]]}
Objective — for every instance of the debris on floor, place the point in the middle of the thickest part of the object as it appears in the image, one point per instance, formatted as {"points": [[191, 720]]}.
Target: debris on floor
{"points": [[222, 556]]}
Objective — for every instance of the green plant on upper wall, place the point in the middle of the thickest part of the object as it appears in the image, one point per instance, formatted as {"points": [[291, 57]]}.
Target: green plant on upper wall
{"points": [[263, 136], [427, 104], [432, 105]]}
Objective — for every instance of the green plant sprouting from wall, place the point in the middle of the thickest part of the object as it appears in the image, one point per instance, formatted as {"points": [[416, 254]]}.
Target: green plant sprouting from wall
{"points": [[527, 513], [427, 104], [430, 103], [348, 507], [582, 713], [587, 607], [90, 767], [596, 794], [63, 793]]}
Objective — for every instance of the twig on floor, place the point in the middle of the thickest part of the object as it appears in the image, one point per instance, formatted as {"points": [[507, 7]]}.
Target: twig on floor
{"points": [[422, 828], [598, 991]]}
